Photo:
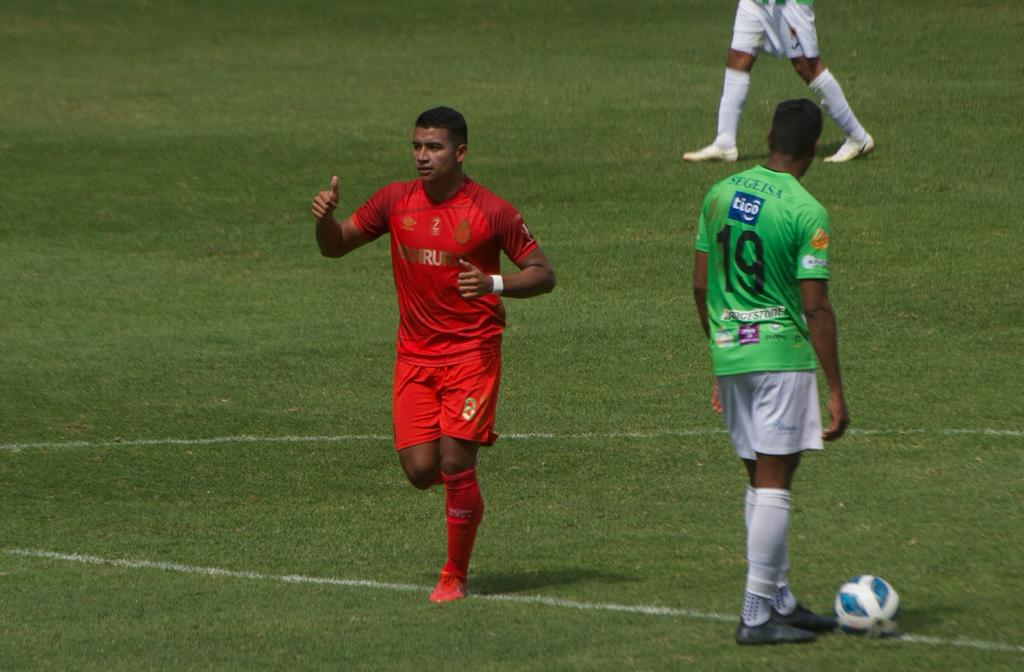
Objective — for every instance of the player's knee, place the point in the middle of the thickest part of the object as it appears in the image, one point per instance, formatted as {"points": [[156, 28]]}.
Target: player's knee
{"points": [[456, 464], [423, 479], [739, 60], [422, 474], [807, 68]]}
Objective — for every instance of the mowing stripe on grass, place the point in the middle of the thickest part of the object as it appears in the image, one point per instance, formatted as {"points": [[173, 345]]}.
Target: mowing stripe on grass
{"points": [[517, 599], [344, 438]]}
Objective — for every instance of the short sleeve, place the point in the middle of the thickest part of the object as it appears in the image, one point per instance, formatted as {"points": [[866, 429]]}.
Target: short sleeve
{"points": [[515, 239], [371, 218], [814, 240]]}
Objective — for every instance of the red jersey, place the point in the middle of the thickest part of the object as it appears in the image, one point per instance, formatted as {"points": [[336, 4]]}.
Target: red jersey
{"points": [[436, 325]]}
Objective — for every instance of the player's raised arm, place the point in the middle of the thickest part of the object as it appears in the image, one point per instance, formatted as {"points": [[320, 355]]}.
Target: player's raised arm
{"points": [[335, 238], [821, 325]]}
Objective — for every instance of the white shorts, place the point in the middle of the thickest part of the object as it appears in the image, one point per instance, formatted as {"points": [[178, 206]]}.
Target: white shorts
{"points": [[771, 412], [781, 30]]}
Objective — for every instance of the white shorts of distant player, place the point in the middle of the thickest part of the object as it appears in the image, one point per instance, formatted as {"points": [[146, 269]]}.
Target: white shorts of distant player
{"points": [[777, 29], [771, 412]]}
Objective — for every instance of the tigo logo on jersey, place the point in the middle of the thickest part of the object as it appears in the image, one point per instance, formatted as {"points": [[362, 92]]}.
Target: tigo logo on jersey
{"points": [[745, 208]]}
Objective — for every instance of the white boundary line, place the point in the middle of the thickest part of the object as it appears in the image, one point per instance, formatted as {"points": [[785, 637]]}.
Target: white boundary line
{"points": [[499, 597], [344, 438]]}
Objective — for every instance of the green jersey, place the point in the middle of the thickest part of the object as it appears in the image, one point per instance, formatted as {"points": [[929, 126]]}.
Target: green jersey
{"points": [[763, 233]]}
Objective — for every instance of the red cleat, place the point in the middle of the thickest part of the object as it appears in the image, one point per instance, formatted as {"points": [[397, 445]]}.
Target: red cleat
{"points": [[449, 588]]}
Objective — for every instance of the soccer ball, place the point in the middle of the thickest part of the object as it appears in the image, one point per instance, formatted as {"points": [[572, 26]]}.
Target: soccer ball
{"points": [[867, 605]]}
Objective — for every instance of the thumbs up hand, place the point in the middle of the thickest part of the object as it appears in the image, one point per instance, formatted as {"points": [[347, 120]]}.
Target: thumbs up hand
{"points": [[473, 282], [325, 202]]}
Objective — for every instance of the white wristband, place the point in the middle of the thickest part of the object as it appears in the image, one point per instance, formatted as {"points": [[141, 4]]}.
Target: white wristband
{"points": [[499, 284]]}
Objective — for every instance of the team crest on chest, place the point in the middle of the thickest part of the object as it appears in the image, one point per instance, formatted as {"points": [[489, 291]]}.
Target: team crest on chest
{"points": [[408, 223], [463, 233]]}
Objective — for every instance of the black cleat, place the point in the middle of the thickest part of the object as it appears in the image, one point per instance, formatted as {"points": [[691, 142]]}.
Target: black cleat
{"points": [[805, 619], [771, 632]]}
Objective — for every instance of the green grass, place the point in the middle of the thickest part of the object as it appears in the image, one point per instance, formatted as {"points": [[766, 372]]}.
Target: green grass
{"points": [[159, 280]]}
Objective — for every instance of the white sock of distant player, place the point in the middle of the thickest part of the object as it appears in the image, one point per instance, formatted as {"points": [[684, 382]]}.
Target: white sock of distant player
{"points": [[834, 102], [734, 94], [766, 551]]}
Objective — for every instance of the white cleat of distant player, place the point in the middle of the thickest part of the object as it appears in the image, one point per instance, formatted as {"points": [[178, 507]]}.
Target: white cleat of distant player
{"points": [[851, 149], [713, 153]]}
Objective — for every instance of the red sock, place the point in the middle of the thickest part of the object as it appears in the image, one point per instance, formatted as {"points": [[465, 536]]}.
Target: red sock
{"points": [[464, 507]]}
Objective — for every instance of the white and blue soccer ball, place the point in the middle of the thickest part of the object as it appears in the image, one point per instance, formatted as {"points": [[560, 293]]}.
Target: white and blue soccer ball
{"points": [[867, 605]]}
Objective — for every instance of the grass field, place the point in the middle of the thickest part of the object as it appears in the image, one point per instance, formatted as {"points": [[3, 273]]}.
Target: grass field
{"points": [[187, 386]]}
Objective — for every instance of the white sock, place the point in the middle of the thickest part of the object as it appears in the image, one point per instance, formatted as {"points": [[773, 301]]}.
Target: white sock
{"points": [[766, 541], [734, 94], [756, 609], [748, 506], [834, 102], [784, 602]]}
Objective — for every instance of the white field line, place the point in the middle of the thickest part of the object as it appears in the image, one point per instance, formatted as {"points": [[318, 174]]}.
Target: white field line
{"points": [[517, 599], [346, 438]]}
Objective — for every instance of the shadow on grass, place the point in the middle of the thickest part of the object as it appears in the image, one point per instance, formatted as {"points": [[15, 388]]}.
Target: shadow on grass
{"points": [[829, 149], [492, 583], [912, 620], [756, 156], [823, 151]]}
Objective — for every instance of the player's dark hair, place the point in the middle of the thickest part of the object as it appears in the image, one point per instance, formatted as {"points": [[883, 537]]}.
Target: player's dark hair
{"points": [[447, 118], [796, 126]]}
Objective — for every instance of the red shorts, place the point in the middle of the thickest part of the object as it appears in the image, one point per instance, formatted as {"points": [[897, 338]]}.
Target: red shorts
{"points": [[457, 400]]}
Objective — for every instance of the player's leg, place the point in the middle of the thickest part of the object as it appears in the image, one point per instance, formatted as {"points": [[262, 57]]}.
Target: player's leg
{"points": [[738, 396], [414, 411], [422, 464], [463, 504], [464, 508], [467, 418], [790, 424], [748, 36], [783, 602], [766, 510], [768, 551], [735, 87], [805, 57], [767, 534]]}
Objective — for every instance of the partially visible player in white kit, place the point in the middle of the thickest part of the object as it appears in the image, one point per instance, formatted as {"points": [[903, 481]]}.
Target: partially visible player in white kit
{"points": [[781, 28]]}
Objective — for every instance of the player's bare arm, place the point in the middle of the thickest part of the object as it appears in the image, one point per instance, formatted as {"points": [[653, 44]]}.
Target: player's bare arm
{"points": [[335, 239], [700, 289], [700, 297], [534, 277], [821, 324]]}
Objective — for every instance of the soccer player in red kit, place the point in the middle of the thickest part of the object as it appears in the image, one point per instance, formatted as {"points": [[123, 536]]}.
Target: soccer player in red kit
{"points": [[447, 235]]}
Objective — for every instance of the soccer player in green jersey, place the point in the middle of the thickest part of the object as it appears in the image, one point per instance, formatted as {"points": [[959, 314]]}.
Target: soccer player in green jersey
{"points": [[760, 280], [781, 28]]}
